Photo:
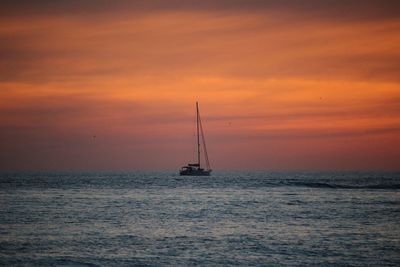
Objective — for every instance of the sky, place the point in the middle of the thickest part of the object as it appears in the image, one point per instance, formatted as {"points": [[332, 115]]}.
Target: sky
{"points": [[282, 85]]}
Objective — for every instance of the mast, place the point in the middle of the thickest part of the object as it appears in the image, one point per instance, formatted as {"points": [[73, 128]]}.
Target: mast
{"points": [[198, 136]]}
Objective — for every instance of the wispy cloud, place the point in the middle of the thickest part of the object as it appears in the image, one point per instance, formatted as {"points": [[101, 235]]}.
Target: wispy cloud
{"points": [[320, 71]]}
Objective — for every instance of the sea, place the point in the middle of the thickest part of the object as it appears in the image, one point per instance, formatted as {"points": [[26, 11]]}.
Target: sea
{"points": [[227, 219]]}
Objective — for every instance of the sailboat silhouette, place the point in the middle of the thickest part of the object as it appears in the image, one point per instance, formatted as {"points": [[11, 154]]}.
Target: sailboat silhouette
{"points": [[195, 169]]}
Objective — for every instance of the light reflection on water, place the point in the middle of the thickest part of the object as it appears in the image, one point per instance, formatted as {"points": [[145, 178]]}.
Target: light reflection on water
{"points": [[227, 219]]}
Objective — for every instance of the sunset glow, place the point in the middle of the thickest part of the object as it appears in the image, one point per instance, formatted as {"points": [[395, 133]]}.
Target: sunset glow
{"points": [[280, 86]]}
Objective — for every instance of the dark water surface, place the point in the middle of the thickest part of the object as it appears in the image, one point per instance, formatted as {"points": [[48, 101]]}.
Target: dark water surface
{"points": [[230, 218]]}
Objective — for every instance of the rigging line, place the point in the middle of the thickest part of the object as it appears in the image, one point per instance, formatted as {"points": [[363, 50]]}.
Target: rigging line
{"points": [[204, 145]]}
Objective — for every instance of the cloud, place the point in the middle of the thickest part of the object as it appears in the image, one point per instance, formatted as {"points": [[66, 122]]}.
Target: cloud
{"points": [[265, 73], [195, 43], [354, 9]]}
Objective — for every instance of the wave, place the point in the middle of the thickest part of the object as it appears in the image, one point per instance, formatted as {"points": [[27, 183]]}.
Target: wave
{"points": [[237, 180], [346, 186]]}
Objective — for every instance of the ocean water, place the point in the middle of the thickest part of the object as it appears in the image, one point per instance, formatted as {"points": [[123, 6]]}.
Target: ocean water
{"points": [[227, 219]]}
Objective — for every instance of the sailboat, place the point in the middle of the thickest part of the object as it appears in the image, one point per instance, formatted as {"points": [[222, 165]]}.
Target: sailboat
{"points": [[195, 169]]}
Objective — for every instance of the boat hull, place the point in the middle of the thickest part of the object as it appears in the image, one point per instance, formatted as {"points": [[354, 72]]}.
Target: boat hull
{"points": [[195, 172]]}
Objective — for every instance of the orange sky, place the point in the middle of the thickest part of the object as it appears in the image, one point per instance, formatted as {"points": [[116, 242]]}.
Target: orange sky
{"points": [[305, 85]]}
